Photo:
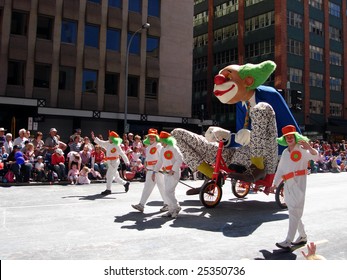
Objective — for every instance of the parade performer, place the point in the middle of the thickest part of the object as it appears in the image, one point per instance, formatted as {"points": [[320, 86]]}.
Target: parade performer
{"points": [[260, 112], [153, 148], [292, 169], [113, 152], [170, 160]]}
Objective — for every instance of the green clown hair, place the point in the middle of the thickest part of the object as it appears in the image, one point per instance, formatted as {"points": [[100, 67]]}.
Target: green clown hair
{"points": [[116, 141], [298, 137], [259, 72], [168, 141], [146, 141]]}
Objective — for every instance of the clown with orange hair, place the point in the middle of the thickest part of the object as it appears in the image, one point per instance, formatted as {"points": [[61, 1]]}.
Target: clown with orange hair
{"points": [[113, 152]]}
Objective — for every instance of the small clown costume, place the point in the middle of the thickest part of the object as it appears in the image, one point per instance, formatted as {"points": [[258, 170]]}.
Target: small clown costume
{"points": [[292, 169], [153, 148], [170, 161], [113, 152]]}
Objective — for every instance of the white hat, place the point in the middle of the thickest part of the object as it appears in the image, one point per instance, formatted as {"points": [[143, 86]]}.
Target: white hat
{"points": [[8, 135], [2, 129], [59, 151], [53, 129]]}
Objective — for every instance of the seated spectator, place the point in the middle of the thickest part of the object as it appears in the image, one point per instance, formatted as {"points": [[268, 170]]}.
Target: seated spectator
{"points": [[38, 143], [85, 156], [58, 163], [75, 146], [73, 173], [8, 145], [97, 160], [83, 177], [51, 142], [39, 170], [19, 166], [86, 142], [20, 140]]}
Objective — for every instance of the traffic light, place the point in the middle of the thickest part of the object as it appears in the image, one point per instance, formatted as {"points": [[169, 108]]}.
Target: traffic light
{"points": [[296, 100]]}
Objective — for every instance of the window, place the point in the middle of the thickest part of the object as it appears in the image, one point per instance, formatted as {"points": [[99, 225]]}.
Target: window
{"points": [[113, 39], [19, 23], [135, 6], [15, 75], [89, 81], [335, 34], [91, 36], [334, 9], [226, 8], [133, 86], [335, 58], [135, 44], [154, 8], [67, 78], [42, 75], [335, 110], [295, 47], [295, 75], [152, 46], [335, 84], [294, 19], [68, 32], [200, 18], [95, 1], [316, 80], [316, 4], [44, 27], [260, 21], [316, 53], [115, 3], [316, 107], [151, 88], [111, 83], [316, 27]]}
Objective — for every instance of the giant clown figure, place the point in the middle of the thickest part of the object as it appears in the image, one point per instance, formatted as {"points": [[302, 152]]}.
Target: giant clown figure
{"points": [[261, 112]]}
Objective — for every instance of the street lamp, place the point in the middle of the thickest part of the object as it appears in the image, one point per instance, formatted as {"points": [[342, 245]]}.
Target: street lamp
{"points": [[126, 127]]}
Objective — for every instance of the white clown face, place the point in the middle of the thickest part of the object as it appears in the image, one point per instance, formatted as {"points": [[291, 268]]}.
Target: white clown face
{"points": [[229, 88]]}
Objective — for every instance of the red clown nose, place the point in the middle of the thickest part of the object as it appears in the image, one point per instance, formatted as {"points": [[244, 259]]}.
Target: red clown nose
{"points": [[219, 79]]}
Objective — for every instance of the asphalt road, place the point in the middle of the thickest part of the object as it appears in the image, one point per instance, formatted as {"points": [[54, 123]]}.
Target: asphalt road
{"points": [[56, 222]]}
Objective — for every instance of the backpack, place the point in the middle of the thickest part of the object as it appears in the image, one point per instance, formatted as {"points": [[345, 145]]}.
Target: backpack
{"points": [[9, 177]]}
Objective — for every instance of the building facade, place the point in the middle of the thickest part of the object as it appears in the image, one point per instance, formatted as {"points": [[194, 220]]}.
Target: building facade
{"points": [[63, 65], [306, 38]]}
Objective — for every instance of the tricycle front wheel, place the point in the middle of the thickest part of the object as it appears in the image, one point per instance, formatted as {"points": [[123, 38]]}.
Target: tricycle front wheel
{"points": [[210, 194], [239, 188], [279, 196]]}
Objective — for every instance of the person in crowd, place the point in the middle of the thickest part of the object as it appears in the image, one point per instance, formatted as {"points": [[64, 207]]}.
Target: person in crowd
{"points": [[98, 160], [169, 161], [152, 155], [8, 145], [83, 177], [21, 139], [73, 173], [85, 155], [38, 144], [39, 169], [130, 139], [51, 142], [75, 146], [74, 157], [61, 144], [292, 168], [58, 164], [113, 152], [19, 165], [88, 143], [2, 136]]}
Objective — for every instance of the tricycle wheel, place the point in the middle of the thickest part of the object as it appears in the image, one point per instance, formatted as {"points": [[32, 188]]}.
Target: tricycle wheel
{"points": [[210, 194], [279, 196], [239, 188]]}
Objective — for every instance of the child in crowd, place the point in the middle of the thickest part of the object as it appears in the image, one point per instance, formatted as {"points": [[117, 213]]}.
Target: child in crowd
{"points": [[83, 177], [40, 169], [170, 161], [73, 173]]}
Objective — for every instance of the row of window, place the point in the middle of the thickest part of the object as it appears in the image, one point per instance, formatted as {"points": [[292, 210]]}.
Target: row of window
{"points": [[135, 6], [260, 21], [91, 37], [42, 77], [295, 75], [317, 107], [316, 53], [226, 8]]}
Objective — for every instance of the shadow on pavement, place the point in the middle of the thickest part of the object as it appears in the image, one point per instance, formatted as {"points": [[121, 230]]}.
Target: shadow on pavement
{"points": [[233, 219], [93, 196], [279, 254]]}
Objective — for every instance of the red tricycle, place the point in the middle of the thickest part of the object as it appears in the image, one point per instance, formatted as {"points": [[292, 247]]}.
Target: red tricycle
{"points": [[211, 191]]}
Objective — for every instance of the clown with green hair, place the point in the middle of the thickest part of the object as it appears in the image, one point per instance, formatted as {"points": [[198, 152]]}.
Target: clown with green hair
{"points": [[153, 148], [113, 154], [261, 112], [169, 163], [292, 169]]}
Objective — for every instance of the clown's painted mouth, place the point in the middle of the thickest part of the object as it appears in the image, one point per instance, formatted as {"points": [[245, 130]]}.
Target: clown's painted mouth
{"points": [[221, 92]]}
